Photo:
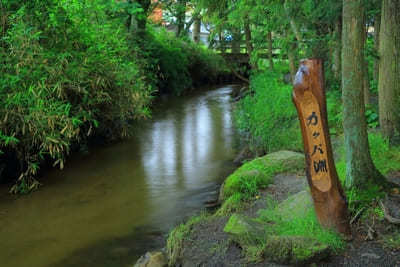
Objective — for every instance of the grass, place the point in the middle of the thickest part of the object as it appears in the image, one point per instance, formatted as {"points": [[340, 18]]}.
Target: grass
{"points": [[232, 204], [386, 159], [306, 225], [250, 177], [268, 113], [244, 184]]}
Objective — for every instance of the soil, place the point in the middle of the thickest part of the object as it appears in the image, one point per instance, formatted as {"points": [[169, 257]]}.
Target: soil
{"points": [[209, 245]]}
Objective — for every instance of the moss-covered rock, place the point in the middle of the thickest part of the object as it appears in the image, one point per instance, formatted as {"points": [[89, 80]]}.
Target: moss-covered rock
{"points": [[288, 249], [294, 249], [178, 234], [288, 159], [296, 206], [244, 230], [259, 173]]}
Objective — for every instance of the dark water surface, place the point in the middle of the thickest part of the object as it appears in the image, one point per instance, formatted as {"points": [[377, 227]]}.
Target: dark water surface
{"points": [[116, 202]]}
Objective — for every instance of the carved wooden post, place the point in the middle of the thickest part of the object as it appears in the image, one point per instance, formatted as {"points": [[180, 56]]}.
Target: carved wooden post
{"points": [[326, 190]]}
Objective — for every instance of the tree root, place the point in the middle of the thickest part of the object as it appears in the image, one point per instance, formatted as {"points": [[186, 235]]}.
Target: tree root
{"points": [[387, 215]]}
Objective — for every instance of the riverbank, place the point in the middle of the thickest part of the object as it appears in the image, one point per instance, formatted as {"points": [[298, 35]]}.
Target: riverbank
{"points": [[266, 216], [114, 202], [276, 225]]}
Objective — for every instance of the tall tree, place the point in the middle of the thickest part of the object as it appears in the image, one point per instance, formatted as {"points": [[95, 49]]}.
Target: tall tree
{"points": [[270, 51], [359, 166], [337, 50], [180, 17], [377, 27], [138, 18], [366, 87], [389, 69], [247, 33], [196, 29]]}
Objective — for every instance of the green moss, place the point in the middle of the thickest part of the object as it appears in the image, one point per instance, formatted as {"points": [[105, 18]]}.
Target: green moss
{"points": [[294, 249], [304, 252], [246, 231], [305, 226], [259, 173], [233, 204], [290, 232], [251, 176]]}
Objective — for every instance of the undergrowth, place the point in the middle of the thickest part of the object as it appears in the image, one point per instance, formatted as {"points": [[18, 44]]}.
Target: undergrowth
{"points": [[268, 114], [72, 70], [386, 159], [306, 225]]}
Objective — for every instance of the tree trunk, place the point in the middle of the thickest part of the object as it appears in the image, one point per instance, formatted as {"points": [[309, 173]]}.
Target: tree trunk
{"points": [[326, 190], [180, 17], [377, 27], [337, 57], [291, 52], [137, 25], [389, 69], [270, 51], [249, 44], [196, 30], [236, 41], [359, 165], [366, 87], [247, 32], [293, 24], [221, 42]]}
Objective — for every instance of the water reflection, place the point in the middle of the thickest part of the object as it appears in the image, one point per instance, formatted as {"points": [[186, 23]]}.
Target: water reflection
{"points": [[110, 202]]}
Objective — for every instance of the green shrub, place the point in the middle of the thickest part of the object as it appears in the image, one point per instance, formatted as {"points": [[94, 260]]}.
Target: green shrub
{"points": [[268, 114], [72, 70], [178, 64], [68, 74]]}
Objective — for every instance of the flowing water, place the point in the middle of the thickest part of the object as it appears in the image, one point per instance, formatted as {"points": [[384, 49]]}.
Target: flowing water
{"points": [[112, 204]]}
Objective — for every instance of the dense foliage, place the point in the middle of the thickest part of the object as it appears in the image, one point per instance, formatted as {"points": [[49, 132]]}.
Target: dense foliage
{"points": [[177, 64], [72, 69], [268, 114]]}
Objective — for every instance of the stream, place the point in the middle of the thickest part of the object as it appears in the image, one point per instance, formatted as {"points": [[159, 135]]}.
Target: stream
{"points": [[113, 203]]}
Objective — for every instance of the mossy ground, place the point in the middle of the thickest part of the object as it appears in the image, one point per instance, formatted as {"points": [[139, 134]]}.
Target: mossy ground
{"points": [[244, 189], [202, 241]]}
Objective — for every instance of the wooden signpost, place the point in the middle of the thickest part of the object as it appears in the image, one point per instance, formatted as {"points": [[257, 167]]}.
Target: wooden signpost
{"points": [[326, 190]]}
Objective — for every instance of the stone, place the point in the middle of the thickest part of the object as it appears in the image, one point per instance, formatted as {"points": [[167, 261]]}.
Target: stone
{"points": [[296, 206], [296, 250], [371, 256], [152, 259], [290, 159], [244, 230]]}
